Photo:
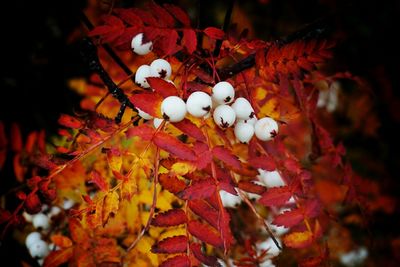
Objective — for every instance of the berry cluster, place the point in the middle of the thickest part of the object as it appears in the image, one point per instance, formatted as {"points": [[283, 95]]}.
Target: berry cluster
{"points": [[35, 241]]}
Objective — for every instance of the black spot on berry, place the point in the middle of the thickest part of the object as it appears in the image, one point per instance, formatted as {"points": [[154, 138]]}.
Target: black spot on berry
{"points": [[224, 124], [163, 73], [208, 108], [227, 99], [252, 115], [165, 116], [273, 133]]}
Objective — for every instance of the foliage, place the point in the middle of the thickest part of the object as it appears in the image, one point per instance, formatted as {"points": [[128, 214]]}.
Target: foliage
{"points": [[148, 196]]}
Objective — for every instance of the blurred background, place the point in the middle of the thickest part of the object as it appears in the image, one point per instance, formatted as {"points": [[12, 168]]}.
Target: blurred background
{"points": [[39, 54]]}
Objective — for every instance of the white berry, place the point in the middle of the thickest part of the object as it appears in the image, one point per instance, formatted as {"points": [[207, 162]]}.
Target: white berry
{"points": [[199, 104], [161, 68], [223, 93], [141, 74], [144, 115], [54, 211], [266, 129], [139, 47], [27, 216], [41, 221], [243, 109], [224, 116], [68, 203], [244, 131], [173, 108], [32, 238], [39, 249], [270, 179], [229, 200], [251, 121]]}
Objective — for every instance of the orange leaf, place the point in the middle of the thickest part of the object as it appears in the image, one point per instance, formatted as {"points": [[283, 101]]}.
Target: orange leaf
{"points": [[61, 241], [298, 239], [170, 245], [99, 181], [56, 258], [214, 33], [110, 206], [69, 121], [171, 183], [78, 233], [148, 102]]}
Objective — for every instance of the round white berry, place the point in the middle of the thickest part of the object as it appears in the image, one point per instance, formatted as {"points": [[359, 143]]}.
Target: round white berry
{"points": [[173, 108], [41, 221], [157, 122], [54, 211], [39, 249], [199, 104], [270, 179], [224, 116], [139, 47], [161, 68], [223, 93], [229, 200], [68, 203], [27, 216], [32, 238], [266, 129], [144, 115], [243, 109], [244, 131], [141, 74]]}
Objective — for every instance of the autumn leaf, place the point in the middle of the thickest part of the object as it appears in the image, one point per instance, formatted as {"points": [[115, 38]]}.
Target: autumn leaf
{"points": [[172, 183], [16, 140], [162, 87], [171, 217], [276, 196], [110, 206], [162, 15], [69, 122], [263, 162], [298, 239], [170, 245], [214, 33], [289, 218], [99, 181], [189, 128], [205, 211], [182, 168], [144, 131], [198, 253], [251, 187], [189, 40], [58, 257], [177, 261], [78, 233], [179, 14], [174, 146], [114, 159], [61, 241], [198, 190], [205, 233], [227, 157], [148, 102]]}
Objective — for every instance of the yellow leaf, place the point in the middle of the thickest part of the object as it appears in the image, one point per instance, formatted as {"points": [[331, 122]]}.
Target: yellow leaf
{"points": [[182, 168], [114, 161], [110, 206], [298, 239]]}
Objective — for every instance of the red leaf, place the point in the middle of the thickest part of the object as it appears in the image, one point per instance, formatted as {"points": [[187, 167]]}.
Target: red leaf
{"points": [[20, 195], [264, 162], [179, 14], [69, 121], [189, 128], [189, 40], [148, 102], [198, 190], [204, 155], [169, 46], [16, 138], [312, 208], [252, 187], [172, 183], [162, 87], [57, 258], [78, 233], [198, 253], [227, 157], [205, 233], [177, 261], [99, 181], [289, 218], [205, 211], [214, 33], [61, 241], [162, 15], [170, 245], [128, 16], [171, 217], [174, 146], [276, 196], [144, 131], [145, 16]]}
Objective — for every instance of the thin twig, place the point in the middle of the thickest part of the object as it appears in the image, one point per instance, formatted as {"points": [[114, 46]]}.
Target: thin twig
{"points": [[225, 27]]}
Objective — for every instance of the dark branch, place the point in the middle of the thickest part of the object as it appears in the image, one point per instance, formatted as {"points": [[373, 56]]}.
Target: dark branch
{"points": [[225, 27]]}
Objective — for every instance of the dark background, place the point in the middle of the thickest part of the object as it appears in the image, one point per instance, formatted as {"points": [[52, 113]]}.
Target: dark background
{"points": [[37, 58]]}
